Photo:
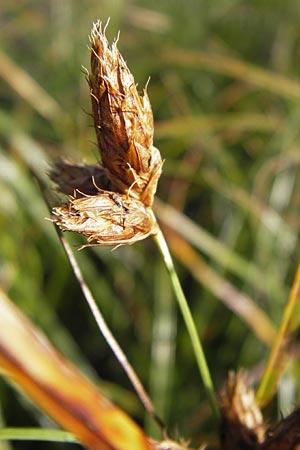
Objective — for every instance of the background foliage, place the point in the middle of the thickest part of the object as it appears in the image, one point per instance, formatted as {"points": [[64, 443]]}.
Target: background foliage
{"points": [[225, 96]]}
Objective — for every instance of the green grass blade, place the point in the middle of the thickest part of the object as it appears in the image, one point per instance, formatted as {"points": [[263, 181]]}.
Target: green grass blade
{"points": [[279, 358], [208, 244], [237, 301], [236, 68], [190, 324], [36, 434]]}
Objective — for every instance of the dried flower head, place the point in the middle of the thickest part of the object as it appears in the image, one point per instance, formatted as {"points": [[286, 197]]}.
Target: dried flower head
{"points": [[123, 121], [111, 204], [106, 219]]}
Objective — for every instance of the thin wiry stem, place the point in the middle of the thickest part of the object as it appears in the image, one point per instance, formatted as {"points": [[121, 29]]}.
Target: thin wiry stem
{"points": [[108, 336], [189, 322]]}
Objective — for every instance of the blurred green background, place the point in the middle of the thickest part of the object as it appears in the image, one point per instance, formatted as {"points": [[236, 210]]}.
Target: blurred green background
{"points": [[225, 92]]}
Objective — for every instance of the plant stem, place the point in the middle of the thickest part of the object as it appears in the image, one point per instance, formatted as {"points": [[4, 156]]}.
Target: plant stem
{"points": [[189, 322], [36, 434], [109, 337], [279, 357]]}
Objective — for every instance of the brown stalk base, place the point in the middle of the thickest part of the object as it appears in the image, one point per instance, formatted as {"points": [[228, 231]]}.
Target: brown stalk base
{"points": [[242, 426]]}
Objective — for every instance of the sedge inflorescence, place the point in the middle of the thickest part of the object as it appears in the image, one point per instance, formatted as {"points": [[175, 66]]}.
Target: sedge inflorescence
{"points": [[111, 203]]}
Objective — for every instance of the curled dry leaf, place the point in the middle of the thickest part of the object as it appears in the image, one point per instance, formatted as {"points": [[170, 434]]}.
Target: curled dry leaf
{"points": [[107, 218], [111, 204], [123, 121]]}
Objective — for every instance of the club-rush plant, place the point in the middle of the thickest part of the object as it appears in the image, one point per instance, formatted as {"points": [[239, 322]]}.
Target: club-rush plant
{"points": [[112, 203]]}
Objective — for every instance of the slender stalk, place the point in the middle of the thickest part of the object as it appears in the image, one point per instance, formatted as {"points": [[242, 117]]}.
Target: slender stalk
{"points": [[189, 322]]}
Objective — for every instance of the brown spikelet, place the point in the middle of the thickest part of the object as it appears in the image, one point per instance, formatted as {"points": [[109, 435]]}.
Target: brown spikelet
{"points": [[111, 204], [106, 219], [123, 121], [85, 179], [242, 426]]}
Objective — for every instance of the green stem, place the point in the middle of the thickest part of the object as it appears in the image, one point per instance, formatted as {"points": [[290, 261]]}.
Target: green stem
{"points": [[189, 322], [36, 434], [278, 359]]}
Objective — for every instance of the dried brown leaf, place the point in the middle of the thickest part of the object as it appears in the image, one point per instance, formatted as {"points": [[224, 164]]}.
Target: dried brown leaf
{"points": [[29, 360]]}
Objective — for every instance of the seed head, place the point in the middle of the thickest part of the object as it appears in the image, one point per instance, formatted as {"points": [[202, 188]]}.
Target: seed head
{"points": [[106, 219], [123, 121], [111, 204]]}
